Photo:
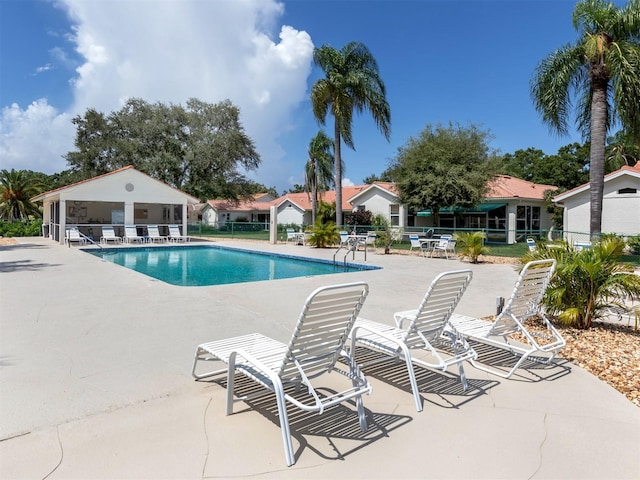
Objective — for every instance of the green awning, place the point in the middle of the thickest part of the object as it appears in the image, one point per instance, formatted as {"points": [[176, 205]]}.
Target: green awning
{"points": [[483, 207]]}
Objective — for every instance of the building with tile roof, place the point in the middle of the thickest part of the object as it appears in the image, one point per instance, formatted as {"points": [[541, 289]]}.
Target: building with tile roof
{"points": [[123, 197], [620, 205], [513, 208]]}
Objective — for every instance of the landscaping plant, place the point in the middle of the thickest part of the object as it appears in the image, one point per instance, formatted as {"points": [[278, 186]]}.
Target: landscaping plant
{"points": [[587, 282], [471, 245], [324, 235]]}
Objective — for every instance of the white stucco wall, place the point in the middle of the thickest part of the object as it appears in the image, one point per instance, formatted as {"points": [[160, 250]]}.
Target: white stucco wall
{"points": [[620, 212], [290, 213]]}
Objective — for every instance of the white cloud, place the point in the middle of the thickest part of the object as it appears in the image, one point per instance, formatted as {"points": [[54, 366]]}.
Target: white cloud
{"points": [[35, 138], [346, 182], [43, 68], [167, 51]]}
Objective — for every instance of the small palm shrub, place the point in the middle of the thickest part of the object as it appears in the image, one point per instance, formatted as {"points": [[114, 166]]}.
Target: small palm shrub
{"points": [[324, 235], [384, 233], [634, 244], [471, 245], [587, 282]]}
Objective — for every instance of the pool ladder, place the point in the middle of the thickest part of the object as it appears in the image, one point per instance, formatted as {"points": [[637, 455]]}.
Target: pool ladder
{"points": [[350, 249], [89, 239]]}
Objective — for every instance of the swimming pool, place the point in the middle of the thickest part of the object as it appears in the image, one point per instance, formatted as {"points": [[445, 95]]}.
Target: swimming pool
{"points": [[205, 265]]}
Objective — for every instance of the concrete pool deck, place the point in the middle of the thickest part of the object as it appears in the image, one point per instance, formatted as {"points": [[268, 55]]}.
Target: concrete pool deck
{"points": [[95, 382]]}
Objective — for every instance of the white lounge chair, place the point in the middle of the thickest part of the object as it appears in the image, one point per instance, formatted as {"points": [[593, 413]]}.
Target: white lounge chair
{"points": [[317, 343], [109, 234], [523, 305], [153, 234], [445, 245], [415, 242], [74, 235], [292, 235], [344, 238], [131, 234], [370, 241], [175, 235], [424, 328]]}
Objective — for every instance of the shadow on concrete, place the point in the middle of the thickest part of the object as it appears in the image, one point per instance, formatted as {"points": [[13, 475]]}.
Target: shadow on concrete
{"points": [[24, 265], [333, 435], [443, 389], [533, 369]]}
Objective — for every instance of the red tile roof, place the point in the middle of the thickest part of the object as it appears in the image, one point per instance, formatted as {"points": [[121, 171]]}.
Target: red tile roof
{"points": [[625, 168], [505, 186]]}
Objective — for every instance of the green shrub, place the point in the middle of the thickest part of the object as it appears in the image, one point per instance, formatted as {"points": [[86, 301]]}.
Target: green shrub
{"points": [[324, 235], [586, 282], [32, 228], [471, 245], [634, 244]]}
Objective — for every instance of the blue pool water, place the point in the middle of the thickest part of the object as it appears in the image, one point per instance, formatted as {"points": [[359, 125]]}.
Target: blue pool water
{"points": [[213, 265]]}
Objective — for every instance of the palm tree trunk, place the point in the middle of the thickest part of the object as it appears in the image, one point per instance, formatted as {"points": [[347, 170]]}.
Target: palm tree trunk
{"points": [[314, 200], [597, 155], [338, 179]]}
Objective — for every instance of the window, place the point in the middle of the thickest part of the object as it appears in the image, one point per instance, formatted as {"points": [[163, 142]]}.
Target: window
{"points": [[361, 208], [394, 214], [622, 191], [527, 219]]}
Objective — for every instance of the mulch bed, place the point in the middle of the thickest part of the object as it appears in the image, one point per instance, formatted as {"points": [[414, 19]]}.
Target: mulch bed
{"points": [[608, 350]]}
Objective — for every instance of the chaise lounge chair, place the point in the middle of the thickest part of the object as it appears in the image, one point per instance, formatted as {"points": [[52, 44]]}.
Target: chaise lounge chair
{"points": [[108, 234], [523, 305], [154, 234], [175, 235], [427, 327], [317, 343], [131, 234], [74, 235]]}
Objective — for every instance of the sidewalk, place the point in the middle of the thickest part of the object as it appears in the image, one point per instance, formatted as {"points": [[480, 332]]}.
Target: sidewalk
{"points": [[95, 383]]}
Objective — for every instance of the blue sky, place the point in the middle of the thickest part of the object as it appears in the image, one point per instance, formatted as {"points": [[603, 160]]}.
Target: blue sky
{"points": [[442, 61]]}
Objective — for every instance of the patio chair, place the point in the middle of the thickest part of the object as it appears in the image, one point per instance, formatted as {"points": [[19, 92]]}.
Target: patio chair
{"points": [[74, 235], [153, 233], [291, 235], [344, 238], [318, 341], [109, 234], [427, 328], [445, 245], [523, 305], [531, 243], [175, 235], [131, 234], [370, 241], [415, 242]]}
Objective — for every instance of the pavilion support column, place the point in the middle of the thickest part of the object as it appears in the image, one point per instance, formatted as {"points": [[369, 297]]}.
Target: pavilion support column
{"points": [[62, 227], [185, 219], [129, 213]]}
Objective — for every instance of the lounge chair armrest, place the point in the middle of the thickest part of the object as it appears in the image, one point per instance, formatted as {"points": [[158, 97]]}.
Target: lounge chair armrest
{"points": [[400, 317]]}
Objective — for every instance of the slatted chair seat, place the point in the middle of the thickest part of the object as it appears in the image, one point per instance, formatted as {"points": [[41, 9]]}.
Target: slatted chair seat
{"points": [[425, 328], [523, 305], [317, 343]]}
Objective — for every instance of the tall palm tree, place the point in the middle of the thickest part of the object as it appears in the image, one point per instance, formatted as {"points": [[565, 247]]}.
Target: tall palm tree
{"points": [[602, 66], [319, 169], [351, 82], [16, 190]]}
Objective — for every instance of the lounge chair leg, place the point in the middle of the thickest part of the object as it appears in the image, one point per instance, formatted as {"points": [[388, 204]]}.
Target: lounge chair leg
{"points": [[284, 425], [463, 377], [231, 373]]}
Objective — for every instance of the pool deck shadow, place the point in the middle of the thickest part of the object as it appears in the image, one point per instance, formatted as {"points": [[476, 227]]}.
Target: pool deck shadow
{"points": [[95, 382]]}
